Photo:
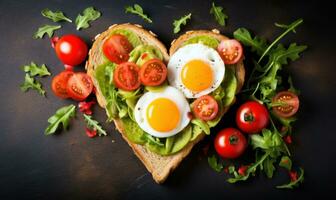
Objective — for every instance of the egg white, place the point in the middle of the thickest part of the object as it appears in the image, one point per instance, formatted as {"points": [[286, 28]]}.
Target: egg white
{"points": [[192, 52], [170, 93]]}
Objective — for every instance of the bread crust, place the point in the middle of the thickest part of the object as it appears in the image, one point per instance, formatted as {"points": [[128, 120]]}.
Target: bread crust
{"points": [[159, 166]]}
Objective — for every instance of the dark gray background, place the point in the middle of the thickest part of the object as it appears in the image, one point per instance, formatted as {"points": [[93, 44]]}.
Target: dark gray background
{"points": [[72, 166]]}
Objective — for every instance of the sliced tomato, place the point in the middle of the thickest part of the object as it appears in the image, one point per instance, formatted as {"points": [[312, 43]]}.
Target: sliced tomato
{"points": [[79, 86], [153, 72], [126, 76], [290, 103], [231, 51], [59, 84], [205, 108], [116, 48]]}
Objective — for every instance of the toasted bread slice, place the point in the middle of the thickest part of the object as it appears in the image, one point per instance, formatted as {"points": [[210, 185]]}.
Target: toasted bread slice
{"points": [[159, 166]]}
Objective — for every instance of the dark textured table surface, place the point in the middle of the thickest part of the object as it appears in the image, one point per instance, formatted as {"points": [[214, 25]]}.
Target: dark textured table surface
{"points": [[72, 166]]}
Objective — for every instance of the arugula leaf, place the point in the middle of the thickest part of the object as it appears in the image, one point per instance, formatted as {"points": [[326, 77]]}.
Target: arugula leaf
{"points": [[214, 164], [62, 116], [281, 54], [93, 124], [291, 27], [34, 69], [293, 184], [89, 14], [46, 29], [286, 162], [220, 16], [54, 16], [250, 170], [31, 83], [182, 21], [268, 166], [136, 9], [257, 44]]}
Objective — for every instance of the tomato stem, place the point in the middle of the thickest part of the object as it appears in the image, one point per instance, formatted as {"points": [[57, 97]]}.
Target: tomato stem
{"points": [[233, 139], [248, 117]]}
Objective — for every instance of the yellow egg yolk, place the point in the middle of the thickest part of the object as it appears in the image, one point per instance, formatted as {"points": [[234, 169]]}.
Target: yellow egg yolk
{"points": [[197, 75], [163, 114]]}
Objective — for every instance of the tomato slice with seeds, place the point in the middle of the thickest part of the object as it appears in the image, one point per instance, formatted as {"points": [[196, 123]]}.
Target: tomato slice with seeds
{"points": [[231, 51], [205, 108], [116, 48], [153, 72], [79, 86], [59, 84], [290, 103], [126, 76]]}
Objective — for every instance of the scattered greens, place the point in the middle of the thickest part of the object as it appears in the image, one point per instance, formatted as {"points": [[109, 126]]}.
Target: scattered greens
{"points": [[46, 29], [62, 116], [137, 9], [89, 14], [264, 82], [214, 164], [218, 13], [55, 16], [182, 21], [93, 124], [36, 70], [31, 83]]}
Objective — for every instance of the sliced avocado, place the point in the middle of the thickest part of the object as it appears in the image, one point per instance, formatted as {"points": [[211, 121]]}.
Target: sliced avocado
{"points": [[203, 39]]}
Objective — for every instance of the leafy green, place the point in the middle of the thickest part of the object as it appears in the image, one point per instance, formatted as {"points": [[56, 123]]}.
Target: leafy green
{"points": [[250, 170], [286, 162], [93, 124], [62, 116], [182, 21], [55, 16], [137, 9], [290, 28], [257, 44], [220, 16], [34, 70], [31, 83], [214, 164], [295, 183], [46, 29], [89, 14]]}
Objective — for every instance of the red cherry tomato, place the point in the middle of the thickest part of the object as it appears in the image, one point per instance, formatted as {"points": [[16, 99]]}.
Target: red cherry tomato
{"points": [[230, 143], [59, 84], [252, 117], [231, 51], [153, 72], [126, 76], [205, 108], [79, 86], [116, 48], [291, 104], [71, 50]]}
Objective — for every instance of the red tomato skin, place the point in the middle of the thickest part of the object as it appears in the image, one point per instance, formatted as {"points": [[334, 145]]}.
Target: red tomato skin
{"points": [[59, 84], [252, 117], [230, 143], [159, 70], [83, 82], [116, 48], [231, 51], [291, 99], [130, 69], [212, 104], [71, 50]]}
